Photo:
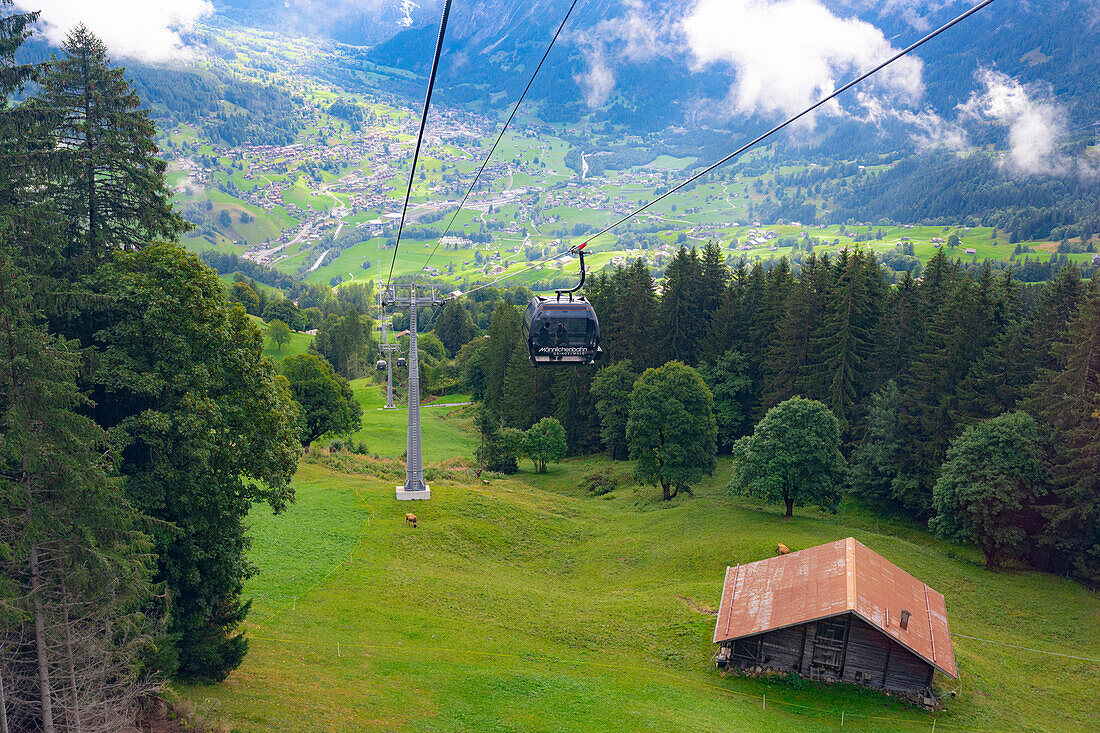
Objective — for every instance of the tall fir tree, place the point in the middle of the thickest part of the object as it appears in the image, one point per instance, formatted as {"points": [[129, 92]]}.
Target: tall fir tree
{"points": [[679, 323], [517, 409], [505, 329], [1066, 397], [107, 183]]}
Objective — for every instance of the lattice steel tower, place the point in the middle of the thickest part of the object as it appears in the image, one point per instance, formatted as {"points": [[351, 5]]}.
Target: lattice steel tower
{"points": [[413, 296]]}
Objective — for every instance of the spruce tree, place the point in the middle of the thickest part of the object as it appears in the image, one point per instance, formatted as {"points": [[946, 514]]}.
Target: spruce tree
{"points": [[680, 324], [504, 330], [1067, 399], [107, 182], [517, 409], [74, 562], [714, 276]]}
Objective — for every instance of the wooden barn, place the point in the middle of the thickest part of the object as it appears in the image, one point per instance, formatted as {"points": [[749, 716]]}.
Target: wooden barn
{"points": [[837, 612]]}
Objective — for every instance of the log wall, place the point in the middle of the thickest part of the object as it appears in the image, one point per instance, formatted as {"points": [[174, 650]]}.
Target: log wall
{"points": [[869, 657]]}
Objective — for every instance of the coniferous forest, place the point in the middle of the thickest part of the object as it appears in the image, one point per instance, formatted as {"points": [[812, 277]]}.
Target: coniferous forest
{"points": [[910, 372]]}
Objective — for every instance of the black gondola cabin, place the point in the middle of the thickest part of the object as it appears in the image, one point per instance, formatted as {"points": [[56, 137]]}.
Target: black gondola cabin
{"points": [[562, 331]]}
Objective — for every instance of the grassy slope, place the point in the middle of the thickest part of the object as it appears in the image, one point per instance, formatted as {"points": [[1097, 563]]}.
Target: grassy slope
{"points": [[521, 605]]}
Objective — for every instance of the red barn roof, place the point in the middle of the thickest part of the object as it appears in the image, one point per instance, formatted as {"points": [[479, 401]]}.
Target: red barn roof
{"points": [[828, 580]]}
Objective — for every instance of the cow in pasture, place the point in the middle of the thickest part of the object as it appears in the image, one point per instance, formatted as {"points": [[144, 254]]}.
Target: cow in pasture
{"points": [[781, 549], [410, 519]]}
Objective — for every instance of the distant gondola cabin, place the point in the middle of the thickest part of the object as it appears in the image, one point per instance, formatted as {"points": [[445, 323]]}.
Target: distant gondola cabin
{"points": [[836, 612]]}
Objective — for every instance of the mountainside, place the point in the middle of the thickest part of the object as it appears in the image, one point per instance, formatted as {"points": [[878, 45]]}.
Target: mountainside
{"points": [[652, 63]]}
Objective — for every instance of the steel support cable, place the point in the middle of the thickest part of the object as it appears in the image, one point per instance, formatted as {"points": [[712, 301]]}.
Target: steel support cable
{"points": [[501, 135], [420, 135], [862, 77]]}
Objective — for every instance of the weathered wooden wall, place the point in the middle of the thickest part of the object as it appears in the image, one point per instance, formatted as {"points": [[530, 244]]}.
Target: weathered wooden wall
{"points": [[869, 658]]}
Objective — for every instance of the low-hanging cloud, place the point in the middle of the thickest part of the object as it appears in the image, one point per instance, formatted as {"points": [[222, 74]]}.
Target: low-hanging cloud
{"points": [[148, 30], [1034, 122], [787, 54], [637, 35]]}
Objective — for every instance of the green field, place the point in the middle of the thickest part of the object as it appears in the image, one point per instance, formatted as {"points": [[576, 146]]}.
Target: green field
{"points": [[523, 605]]}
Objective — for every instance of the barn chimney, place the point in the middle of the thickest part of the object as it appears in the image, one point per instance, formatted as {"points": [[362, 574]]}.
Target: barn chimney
{"points": [[904, 623]]}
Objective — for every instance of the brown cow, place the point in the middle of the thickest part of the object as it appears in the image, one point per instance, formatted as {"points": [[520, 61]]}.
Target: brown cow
{"points": [[781, 549], [410, 519]]}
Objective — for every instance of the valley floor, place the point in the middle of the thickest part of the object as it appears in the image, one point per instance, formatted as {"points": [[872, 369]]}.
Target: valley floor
{"points": [[524, 605]]}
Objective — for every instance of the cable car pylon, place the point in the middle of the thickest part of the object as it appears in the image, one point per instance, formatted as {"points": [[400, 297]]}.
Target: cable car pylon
{"points": [[387, 349], [413, 296]]}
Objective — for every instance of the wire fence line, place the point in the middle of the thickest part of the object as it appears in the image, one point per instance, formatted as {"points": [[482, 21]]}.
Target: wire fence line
{"points": [[839, 715], [1027, 648]]}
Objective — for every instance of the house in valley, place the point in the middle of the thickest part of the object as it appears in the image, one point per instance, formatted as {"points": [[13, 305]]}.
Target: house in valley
{"points": [[836, 612]]}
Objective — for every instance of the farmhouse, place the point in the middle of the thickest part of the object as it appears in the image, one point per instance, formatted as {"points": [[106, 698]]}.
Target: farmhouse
{"points": [[836, 612]]}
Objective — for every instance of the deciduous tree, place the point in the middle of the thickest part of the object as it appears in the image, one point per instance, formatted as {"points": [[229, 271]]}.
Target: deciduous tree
{"points": [[671, 430], [793, 456], [990, 487], [544, 442], [325, 401]]}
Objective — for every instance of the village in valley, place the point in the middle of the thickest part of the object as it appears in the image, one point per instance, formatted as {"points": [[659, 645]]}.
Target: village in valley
{"points": [[326, 206]]}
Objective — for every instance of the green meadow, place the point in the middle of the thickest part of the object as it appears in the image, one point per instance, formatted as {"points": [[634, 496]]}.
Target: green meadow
{"points": [[522, 604]]}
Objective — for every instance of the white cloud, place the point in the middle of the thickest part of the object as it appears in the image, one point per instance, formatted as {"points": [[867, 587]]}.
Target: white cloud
{"points": [[787, 54], [637, 35], [597, 80], [148, 30], [1034, 121]]}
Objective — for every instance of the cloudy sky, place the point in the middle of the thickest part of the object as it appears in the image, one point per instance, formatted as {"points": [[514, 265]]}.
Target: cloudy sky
{"points": [[143, 29], [823, 44]]}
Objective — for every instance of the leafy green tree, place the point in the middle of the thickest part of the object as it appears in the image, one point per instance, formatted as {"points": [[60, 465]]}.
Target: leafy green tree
{"points": [[671, 430], [731, 387], [285, 311], [241, 292], [793, 456], [611, 387], [454, 326], [990, 486], [204, 429], [325, 401], [278, 332], [497, 449], [107, 183], [544, 442]]}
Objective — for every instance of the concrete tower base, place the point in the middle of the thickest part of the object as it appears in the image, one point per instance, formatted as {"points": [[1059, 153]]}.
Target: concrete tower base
{"points": [[403, 495]]}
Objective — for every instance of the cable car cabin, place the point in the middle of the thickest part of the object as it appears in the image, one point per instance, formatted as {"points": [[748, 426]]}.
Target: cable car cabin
{"points": [[401, 362], [562, 332], [380, 365]]}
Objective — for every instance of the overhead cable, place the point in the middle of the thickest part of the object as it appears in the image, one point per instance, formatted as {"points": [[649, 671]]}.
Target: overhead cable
{"points": [[798, 116], [747, 146], [501, 135], [420, 135]]}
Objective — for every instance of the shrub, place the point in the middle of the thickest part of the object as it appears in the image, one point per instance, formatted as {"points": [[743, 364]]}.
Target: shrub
{"points": [[601, 482]]}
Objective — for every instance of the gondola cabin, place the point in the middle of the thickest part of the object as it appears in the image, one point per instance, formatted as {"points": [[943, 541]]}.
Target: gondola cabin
{"points": [[836, 612], [380, 365], [401, 362], [562, 331]]}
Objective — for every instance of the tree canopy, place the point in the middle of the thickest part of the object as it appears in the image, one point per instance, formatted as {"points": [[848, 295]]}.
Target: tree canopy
{"points": [[991, 486], [325, 401], [671, 429], [793, 457], [544, 442]]}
